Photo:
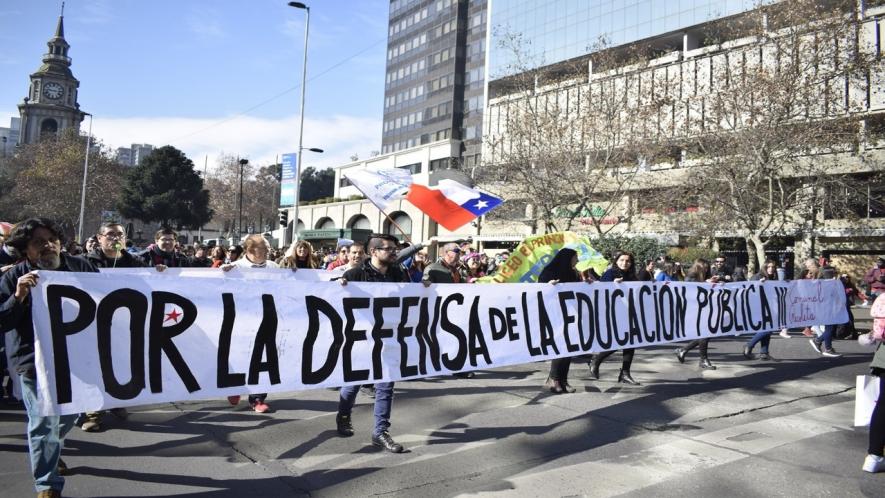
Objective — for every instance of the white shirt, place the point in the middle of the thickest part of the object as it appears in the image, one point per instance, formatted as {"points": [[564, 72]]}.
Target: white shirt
{"points": [[244, 262]]}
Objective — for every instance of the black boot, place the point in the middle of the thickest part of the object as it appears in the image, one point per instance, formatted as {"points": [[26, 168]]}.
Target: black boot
{"points": [[706, 365], [345, 428], [680, 355], [594, 367], [625, 378], [384, 440]]}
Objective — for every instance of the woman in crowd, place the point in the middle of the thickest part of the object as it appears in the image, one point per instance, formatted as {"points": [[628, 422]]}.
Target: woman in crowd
{"points": [[671, 271], [699, 272], [561, 269], [300, 255], [875, 461], [218, 256], [417, 266], [624, 270], [769, 272], [234, 253], [475, 269]]}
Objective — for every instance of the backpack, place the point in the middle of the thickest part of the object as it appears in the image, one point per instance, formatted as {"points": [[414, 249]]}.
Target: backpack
{"points": [[878, 314]]}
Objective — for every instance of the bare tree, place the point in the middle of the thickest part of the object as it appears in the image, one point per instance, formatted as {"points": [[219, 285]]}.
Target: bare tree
{"points": [[781, 120], [571, 139], [260, 194]]}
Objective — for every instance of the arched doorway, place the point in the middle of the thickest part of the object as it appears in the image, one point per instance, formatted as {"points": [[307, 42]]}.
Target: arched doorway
{"points": [[325, 223], [403, 220], [49, 127], [359, 222]]}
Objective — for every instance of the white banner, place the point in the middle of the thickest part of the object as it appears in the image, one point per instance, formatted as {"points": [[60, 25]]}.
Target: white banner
{"points": [[105, 341], [303, 274]]}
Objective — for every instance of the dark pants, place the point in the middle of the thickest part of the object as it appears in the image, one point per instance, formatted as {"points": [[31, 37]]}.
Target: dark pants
{"points": [[559, 369], [877, 424], [701, 344], [626, 360], [383, 402]]}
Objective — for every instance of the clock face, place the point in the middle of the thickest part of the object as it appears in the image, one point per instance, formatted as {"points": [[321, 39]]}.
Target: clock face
{"points": [[53, 90]]}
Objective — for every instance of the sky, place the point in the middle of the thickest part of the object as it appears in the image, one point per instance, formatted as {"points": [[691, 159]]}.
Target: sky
{"points": [[211, 77]]}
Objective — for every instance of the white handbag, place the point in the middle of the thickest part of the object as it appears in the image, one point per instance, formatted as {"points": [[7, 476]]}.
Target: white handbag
{"points": [[866, 395]]}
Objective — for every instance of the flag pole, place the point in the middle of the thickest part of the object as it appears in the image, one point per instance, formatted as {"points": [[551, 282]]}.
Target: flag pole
{"points": [[405, 235]]}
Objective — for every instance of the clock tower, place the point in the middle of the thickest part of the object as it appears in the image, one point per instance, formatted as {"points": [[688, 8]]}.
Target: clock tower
{"points": [[51, 105]]}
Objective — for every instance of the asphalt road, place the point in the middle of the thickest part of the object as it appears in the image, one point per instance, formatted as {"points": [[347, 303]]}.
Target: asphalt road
{"points": [[750, 428]]}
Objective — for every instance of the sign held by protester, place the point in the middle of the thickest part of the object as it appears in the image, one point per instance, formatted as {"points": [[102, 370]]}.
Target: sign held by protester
{"points": [[105, 342]]}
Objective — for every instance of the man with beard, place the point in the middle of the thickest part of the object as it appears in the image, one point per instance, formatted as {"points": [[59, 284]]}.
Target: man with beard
{"points": [[381, 266], [163, 254], [39, 240], [201, 257]]}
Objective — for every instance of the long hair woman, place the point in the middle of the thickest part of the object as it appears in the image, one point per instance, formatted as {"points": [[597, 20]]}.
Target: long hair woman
{"points": [[300, 255], [699, 272], [561, 269], [623, 270]]}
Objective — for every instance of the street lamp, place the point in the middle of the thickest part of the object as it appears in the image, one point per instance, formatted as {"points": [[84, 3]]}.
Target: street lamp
{"points": [[243, 163], [85, 172], [299, 5]]}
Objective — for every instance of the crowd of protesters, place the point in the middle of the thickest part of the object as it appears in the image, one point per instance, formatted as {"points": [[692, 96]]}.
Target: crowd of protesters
{"points": [[38, 244]]}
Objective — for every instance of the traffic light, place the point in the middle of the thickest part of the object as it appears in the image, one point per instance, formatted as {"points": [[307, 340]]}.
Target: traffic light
{"points": [[284, 217]]}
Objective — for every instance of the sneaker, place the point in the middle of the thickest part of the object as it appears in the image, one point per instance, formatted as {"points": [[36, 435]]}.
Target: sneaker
{"points": [[807, 332], [831, 353], [344, 426], [705, 364], [816, 345], [764, 356], [259, 406], [785, 334], [384, 440], [368, 390], [748, 353], [874, 463], [92, 422], [120, 413], [680, 355], [234, 400]]}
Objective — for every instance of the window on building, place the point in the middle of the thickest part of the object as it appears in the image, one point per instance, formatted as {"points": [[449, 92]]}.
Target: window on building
{"points": [[414, 168]]}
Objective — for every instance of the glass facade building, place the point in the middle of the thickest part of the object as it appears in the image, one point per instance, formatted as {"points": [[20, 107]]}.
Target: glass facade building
{"points": [[555, 31], [435, 73]]}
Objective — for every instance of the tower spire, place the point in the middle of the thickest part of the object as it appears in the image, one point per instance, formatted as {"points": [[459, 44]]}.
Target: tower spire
{"points": [[60, 28]]}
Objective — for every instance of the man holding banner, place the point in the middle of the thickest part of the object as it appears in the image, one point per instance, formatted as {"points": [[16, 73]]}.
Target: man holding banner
{"points": [[381, 267], [39, 239]]}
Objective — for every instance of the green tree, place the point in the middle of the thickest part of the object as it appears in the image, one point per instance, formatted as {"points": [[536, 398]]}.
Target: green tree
{"points": [[46, 178], [316, 184], [166, 189]]}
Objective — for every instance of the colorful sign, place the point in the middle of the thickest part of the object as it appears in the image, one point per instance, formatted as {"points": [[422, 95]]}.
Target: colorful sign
{"points": [[534, 253]]}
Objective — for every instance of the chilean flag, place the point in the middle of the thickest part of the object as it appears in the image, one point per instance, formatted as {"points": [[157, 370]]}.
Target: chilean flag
{"points": [[451, 204]]}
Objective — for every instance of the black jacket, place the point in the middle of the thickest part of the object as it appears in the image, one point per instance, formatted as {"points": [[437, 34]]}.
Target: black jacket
{"points": [[126, 260], [154, 256], [367, 273], [15, 317]]}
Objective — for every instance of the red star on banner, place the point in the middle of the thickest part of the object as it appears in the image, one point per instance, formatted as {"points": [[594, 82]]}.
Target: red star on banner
{"points": [[173, 315]]}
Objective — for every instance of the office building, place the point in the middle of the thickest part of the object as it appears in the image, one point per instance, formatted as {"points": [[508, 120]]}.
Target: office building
{"points": [[435, 75], [9, 137], [134, 155]]}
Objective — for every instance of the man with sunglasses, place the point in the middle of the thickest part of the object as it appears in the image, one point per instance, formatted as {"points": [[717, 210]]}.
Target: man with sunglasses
{"points": [[342, 259], [380, 266]]}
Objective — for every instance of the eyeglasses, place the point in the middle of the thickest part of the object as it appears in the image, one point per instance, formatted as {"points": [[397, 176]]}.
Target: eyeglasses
{"points": [[455, 250], [388, 248], [115, 235]]}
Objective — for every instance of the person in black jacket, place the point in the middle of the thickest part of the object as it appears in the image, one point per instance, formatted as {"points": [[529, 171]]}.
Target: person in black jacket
{"points": [[109, 253], [40, 241], [380, 266], [622, 270], [163, 255], [700, 272], [561, 269]]}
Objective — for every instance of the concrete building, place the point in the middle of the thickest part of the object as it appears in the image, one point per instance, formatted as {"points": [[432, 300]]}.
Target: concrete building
{"points": [[51, 105], [690, 66], [9, 137], [435, 75], [134, 155]]}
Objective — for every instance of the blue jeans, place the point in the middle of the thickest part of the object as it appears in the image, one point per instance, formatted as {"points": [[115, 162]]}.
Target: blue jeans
{"points": [[383, 402], [763, 337], [827, 337], [46, 436]]}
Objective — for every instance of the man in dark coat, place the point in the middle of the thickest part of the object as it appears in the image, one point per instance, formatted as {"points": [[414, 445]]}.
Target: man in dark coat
{"points": [[39, 240]]}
